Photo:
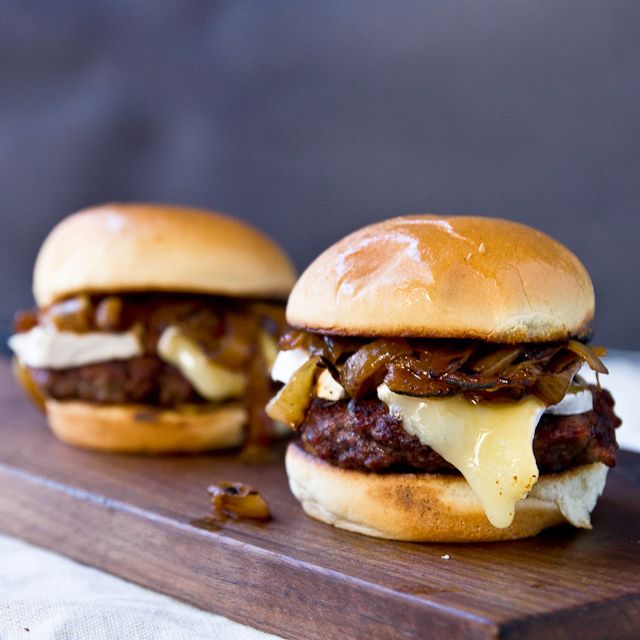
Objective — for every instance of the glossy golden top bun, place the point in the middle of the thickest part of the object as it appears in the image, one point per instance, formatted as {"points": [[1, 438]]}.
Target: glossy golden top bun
{"points": [[154, 247], [431, 507], [445, 277]]}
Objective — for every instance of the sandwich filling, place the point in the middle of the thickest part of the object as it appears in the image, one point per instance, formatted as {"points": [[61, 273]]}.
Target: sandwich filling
{"points": [[160, 349], [497, 414]]}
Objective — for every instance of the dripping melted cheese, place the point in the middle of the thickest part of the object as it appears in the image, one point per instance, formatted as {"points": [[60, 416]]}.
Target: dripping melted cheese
{"points": [[491, 444], [209, 379]]}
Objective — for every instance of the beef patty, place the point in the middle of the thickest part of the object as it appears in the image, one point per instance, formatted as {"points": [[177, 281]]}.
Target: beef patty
{"points": [[363, 435], [141, 380]]}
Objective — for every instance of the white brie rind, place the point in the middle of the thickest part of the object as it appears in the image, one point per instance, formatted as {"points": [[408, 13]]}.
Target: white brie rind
{"points": [[328, 388], [52, 349], [573, 404], [288, 362], [210, 380]]}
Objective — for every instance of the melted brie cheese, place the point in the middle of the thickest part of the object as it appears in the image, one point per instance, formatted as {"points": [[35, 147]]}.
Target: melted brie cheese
{"points": [[287, 363], [209, 379], [573, 403], [328, 389], [52, 349], [491, 444]]}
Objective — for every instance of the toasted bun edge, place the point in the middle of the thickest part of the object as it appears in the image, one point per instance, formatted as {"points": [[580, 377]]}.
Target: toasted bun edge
{"points": [[431, 507], [143, 429]]}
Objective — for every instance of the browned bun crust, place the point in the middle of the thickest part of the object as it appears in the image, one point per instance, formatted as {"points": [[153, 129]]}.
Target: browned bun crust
{"points": [[142, 429], [445, 277], [426, 507], [154, 247]]}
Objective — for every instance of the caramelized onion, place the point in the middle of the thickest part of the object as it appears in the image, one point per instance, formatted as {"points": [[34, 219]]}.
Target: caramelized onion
{"points": [[495, 360], [333, 349], [552, 387], [74, 314], [365, 369], [475, 369], [405, 377], [234, 347], [294, 339], [589, 355], [238, 500], [108, 313], [290, 404], [446, 358], [25, 321]]}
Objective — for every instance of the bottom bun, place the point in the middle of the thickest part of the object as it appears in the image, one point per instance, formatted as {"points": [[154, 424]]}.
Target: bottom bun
{"points": [[144, 429], [435, 507]]}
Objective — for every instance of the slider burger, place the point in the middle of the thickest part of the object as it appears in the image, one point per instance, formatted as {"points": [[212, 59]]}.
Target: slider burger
{"points": [[432, 379], [155, 329]]}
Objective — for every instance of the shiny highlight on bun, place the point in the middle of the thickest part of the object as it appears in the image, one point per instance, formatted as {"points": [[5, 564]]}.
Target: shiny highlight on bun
{"points": [[446, 277]]}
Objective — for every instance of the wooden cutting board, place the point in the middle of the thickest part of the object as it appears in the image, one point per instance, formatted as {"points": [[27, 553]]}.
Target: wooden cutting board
{"points": [[138, 518]]}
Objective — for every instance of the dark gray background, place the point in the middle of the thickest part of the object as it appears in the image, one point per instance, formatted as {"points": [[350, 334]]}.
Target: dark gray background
{"points": [[311, 119]]}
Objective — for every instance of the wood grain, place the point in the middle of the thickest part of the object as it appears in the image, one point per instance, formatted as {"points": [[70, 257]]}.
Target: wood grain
{"points": [[134, 517]]}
